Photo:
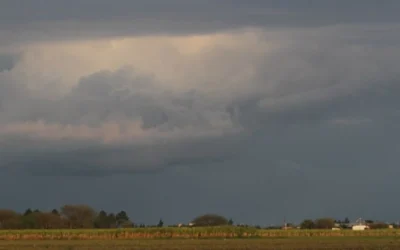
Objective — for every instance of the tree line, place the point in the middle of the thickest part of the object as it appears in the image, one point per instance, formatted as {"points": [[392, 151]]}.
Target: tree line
{"points": [[69, 216], [83, 216], [328, 223]]}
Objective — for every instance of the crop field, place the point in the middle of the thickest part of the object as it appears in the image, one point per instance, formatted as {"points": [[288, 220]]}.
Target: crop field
{"points": [[18, 234], [218, 238], [305, 243], [183, 233]]}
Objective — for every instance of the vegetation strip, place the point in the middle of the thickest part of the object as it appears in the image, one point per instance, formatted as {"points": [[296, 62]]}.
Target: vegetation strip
{"points": [[192, 233], [291, 243]]}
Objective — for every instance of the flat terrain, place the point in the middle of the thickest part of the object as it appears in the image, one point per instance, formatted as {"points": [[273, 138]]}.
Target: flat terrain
{"points": [[183, 233], [208, 244]]}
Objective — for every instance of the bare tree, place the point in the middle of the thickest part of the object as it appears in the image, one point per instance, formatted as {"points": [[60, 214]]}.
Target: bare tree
{"points": [[79, 216]]}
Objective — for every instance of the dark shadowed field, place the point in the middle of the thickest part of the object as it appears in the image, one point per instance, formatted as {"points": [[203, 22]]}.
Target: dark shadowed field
{"points": [[217, 244]]}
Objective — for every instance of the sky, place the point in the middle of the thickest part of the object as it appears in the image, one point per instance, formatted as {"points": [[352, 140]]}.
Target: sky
{"points": [[256, 110]]}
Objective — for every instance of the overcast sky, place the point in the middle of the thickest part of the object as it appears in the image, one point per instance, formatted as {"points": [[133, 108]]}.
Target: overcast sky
{"points": [[257, 110]]}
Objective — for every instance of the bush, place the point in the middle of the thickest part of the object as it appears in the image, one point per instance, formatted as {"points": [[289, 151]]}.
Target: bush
{"points": [[210, 220], [324, 223], [307, 224], [378, 225]]}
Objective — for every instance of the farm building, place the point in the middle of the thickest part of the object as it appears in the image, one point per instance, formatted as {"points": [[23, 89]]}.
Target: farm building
{"points": [[359, 225]]}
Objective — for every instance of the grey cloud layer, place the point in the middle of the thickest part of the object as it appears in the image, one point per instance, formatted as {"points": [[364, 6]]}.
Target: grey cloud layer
{"points": [[321, 77], [17, 12], [49, 20], [303, 111], [7, 61]]}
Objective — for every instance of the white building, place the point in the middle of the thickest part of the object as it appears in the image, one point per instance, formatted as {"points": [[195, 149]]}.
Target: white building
{"points": [[359, 225]]}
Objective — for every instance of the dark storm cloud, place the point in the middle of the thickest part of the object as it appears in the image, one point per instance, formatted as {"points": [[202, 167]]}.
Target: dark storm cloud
{"points": [[7, 62], [325, 11], [88, 159], [316, 122], [22, 21], [320, 79]]}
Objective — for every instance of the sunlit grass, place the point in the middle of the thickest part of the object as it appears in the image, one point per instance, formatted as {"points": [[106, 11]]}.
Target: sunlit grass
{"points": [[182, 233]]}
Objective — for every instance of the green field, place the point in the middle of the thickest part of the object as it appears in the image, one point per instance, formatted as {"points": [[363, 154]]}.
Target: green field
{"points": [[342, 243]]}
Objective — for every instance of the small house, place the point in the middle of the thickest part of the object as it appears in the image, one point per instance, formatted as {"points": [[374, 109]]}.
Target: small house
{"points": [[360, 227]]}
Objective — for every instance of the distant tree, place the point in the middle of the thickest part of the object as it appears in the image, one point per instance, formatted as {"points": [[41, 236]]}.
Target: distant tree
{"points": [[28, 212], [324, 223], [28, 221], [346, 220], [112, 220], [12, 223], [102, 220], [122, 216], [307, 224], [210, 220], [369, 221], [123, 220], [55, 211], [378, 225], [8, 218], [48, 220], [230, 222], [344, 226], [79, 216], [160, 223]]}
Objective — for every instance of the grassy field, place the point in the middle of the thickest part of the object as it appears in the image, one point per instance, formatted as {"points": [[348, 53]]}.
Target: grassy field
{"points": [[183, 233], [217, 238], [305, 243]]}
